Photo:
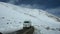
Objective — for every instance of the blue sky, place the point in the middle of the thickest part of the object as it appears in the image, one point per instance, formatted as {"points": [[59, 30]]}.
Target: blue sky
{"points": [[45, 3], [52, 6]]}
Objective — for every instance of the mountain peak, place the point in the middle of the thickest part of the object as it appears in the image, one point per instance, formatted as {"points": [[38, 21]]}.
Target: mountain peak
{"points": [[12, 18]]}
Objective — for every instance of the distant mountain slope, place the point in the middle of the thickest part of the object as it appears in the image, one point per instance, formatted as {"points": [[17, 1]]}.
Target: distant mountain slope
{"points": [[12, 18]]}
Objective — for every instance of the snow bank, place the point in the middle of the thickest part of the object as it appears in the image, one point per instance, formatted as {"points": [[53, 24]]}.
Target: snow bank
{"points": [[12, 18]]}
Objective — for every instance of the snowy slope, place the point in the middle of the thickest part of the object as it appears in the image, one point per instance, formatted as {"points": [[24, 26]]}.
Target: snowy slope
{"points": [[12, 18]]}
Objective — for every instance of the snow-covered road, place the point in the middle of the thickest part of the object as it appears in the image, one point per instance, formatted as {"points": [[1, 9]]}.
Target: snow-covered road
{"points": [[12, 18]]}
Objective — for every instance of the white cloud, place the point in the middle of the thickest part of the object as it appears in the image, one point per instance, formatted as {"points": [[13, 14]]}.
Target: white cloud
{"points": [[55, 11], [13, 1]]}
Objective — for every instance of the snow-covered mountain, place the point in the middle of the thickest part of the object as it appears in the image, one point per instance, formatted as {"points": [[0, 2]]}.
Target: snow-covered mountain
{"points": [[12, 18]]}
